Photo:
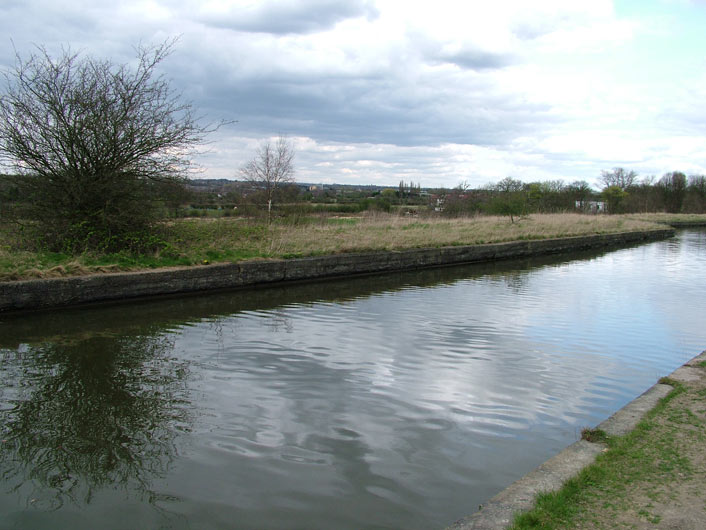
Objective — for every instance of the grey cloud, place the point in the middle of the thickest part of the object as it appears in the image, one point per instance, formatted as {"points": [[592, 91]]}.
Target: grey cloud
{"points": [[467, 57], [476, 59], [301, 17], [375, 104], [88, 28], [373, 108]]}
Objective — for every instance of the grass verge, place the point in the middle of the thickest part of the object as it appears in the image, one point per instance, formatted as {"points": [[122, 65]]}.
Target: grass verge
{"points": [[196, 241], [640, 477]]}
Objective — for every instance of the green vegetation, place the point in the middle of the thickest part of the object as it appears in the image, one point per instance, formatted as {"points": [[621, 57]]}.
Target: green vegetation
{"points": [[638, 456], [98, 148], [594, 435], [614, 197], [182, 242], [641, 476]]}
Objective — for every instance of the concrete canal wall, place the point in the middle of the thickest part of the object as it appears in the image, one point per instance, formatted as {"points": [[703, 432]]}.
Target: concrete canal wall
{"points": [[57, 292]]}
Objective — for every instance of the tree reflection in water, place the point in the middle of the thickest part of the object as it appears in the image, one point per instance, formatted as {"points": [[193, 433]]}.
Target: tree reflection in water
{"points": [[82, 414]]}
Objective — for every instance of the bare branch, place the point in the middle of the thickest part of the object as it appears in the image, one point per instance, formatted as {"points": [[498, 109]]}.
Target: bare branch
{"points": [[619, 177], [89, 137]]}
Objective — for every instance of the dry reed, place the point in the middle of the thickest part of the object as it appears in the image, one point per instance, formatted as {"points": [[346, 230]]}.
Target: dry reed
{"points": [[395, 233], [196, 241]]}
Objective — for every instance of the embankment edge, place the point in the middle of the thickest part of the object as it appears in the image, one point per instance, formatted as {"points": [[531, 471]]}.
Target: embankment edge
{"points": [[61, 292]]}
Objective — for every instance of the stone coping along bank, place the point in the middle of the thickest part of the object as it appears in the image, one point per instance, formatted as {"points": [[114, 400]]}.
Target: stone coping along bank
{"points": [[57, 292]]}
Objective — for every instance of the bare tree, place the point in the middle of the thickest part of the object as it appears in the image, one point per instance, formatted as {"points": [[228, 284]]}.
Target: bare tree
{"points": [[580, 189], [619, 177], [509, 185], [272, 167], [91, 141]]}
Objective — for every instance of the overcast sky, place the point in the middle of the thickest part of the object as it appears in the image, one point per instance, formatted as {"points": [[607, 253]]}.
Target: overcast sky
{"points": [[437, 92]]}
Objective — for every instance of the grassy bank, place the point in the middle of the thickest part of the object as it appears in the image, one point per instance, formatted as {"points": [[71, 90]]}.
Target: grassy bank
{"points": [[667, 218], [196, 241], [650, 478]]}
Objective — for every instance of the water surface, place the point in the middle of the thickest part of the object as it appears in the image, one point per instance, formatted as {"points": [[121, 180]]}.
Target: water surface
{"points": [[394, 401]]}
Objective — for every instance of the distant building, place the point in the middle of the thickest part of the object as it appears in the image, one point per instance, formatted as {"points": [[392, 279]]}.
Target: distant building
{"points": [[591, 206]]}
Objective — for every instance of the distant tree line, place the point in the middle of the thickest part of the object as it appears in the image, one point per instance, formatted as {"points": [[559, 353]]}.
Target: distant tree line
{"points": [[515, 198], [623, 192], [674, 192]]}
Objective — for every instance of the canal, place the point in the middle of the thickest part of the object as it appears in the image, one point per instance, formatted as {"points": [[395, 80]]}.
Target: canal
{"points": [[393, 401]]}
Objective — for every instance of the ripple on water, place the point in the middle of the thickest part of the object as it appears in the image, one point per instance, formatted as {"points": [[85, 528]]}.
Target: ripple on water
{"points": [[407, 405]]}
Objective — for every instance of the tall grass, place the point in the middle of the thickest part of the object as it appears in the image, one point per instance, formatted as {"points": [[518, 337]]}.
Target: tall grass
{"points": [[201, 241], [385, 232], [660, 217]]}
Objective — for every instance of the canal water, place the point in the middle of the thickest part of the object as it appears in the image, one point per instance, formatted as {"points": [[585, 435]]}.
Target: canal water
{"points": [[395, 401]]}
